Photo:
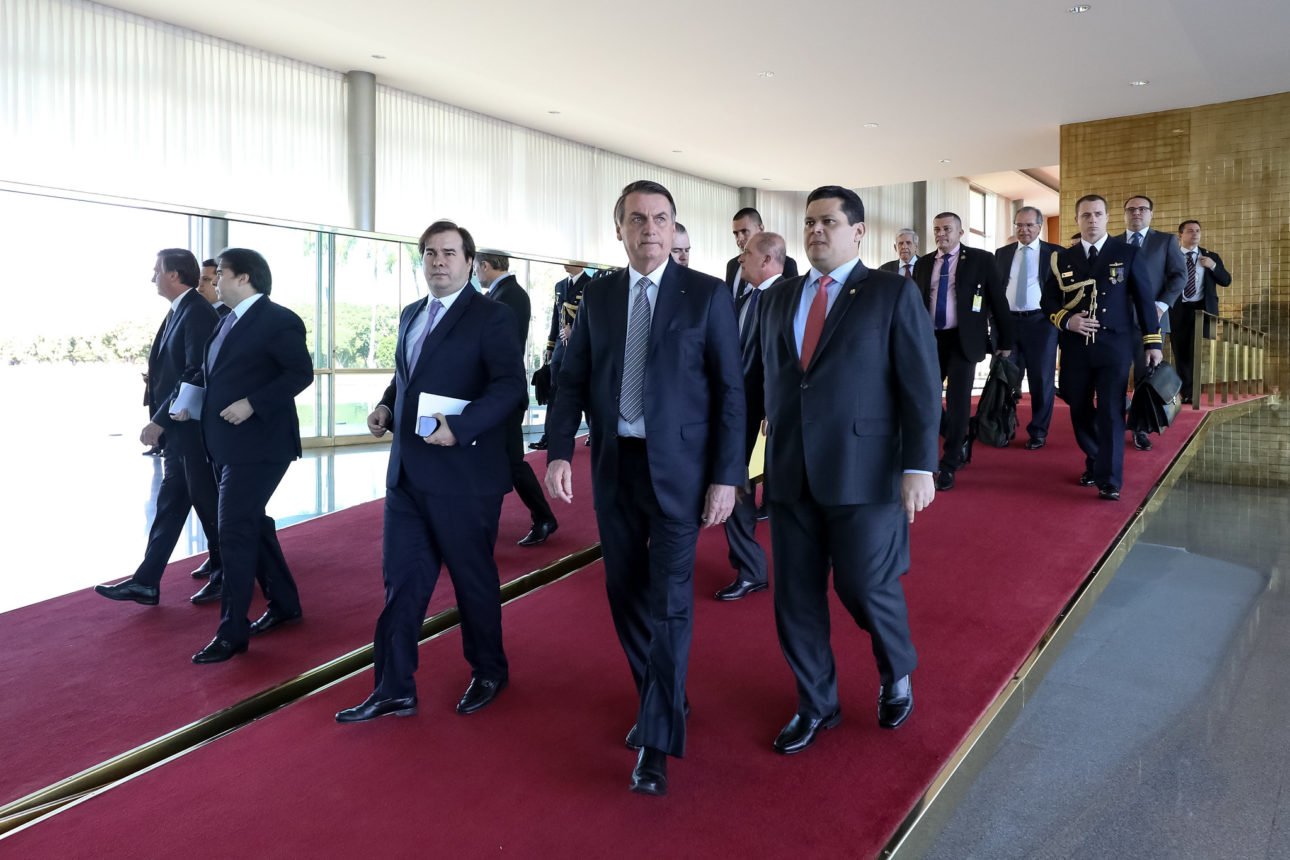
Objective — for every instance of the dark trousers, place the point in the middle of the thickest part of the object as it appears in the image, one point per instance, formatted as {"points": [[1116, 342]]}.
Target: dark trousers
{"points": [[868, 549], [746, 555], [1182, 337], [958, 372], [249, 547], [649, 571], [526, 483], [422, 534], [1035, 352], [186, 483], [1096, 393]]}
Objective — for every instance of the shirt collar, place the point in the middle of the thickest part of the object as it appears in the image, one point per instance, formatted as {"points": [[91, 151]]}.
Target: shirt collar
{"points": [[1034, 246], [174, 306], [767, 283], [245, 305], [839, 275], [655, 277], [446, 301], [1098, 244], [952, 252]]}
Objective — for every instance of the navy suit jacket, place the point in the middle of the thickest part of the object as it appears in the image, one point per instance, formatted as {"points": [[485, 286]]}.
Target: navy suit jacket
{"points": [[1003, 260], [694, 393], [1210, 279], [472, 354], [1163, 268], [1123, 292], [265, 360], [508, 291], [974, 275], [177, 357], [869, 405], [732, 271]]}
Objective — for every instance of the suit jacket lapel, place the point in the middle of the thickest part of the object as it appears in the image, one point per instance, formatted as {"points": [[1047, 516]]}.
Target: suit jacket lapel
{"points": [[617, 292], [400, 353], [450, 317], [665, 304], [790, 317], [846, 295]]}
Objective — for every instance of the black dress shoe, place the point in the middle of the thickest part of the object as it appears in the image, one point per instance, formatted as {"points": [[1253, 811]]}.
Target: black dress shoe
{"points": [[539, 533], [539, 445], [148, 595], [1141, 442], [205, 570], [152, 452], [895, 703], [801, 731], [1036, 444], [1109, 492], [762, 514], [586, 443], [218, 651], [271, 619], [650, 774], [944, 480], [480, 692], [740, 588], [211, 592], [372, 707], [1087, 479], [1186, 398]]}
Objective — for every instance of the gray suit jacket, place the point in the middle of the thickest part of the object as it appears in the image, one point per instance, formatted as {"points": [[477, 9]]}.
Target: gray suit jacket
{"points": [[1163, 262]]}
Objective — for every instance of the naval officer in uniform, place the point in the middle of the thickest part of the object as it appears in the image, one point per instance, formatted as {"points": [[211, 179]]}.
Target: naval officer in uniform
{"points": [[1091, 292]]}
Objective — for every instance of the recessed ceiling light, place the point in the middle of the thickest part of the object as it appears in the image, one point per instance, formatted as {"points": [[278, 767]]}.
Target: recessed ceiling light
{"points": [[767, 179], [766, 74], [378, 56], [1079, 9], [871, 125], [678, 150], [554, 112], [945, 161], [1138, 83]]}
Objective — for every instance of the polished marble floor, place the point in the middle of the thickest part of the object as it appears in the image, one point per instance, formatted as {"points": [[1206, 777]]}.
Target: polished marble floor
{"points": [[1162, 730]]}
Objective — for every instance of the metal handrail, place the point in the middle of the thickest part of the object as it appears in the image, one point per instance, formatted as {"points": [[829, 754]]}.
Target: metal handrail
{"points": [[1232, 364]]}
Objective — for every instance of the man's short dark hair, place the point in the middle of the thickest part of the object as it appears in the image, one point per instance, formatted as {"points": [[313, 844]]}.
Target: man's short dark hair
{"points": [[748, 212], [244, 261], [446, 226], [1183, 225], [953, 215], [182, 262], [1150, 205], [500, 262], [852, 205], [208, 264], [1089, 198], [680, 228], [640, 186]]}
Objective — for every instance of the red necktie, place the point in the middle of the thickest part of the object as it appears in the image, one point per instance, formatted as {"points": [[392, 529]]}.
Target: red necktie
{"points": [[909, 273], [815, 320]]}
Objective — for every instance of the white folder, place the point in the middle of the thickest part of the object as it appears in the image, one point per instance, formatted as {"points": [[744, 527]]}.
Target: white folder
{"points": [[190, 398], [428, 404]]}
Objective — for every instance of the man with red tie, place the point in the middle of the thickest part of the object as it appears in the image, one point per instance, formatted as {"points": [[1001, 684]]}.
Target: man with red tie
{"points": [[849, 457]]}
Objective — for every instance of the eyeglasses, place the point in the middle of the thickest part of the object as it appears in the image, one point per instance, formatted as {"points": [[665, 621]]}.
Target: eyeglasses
{"points": [[1021, 224], [1136, 209]]}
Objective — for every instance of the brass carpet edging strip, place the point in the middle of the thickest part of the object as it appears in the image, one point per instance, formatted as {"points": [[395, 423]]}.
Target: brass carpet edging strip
{"points": [[52, 798], [950, 785]]}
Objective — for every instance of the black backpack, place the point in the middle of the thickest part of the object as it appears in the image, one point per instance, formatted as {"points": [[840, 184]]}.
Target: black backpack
{"points": [[995, 423]]}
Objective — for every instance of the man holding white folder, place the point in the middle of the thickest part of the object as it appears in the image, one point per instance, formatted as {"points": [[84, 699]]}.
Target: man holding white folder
{"points": [[457, 357]]}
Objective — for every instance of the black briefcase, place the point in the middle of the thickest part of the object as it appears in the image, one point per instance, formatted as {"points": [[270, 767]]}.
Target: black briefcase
{"points": [[1155, 402]]}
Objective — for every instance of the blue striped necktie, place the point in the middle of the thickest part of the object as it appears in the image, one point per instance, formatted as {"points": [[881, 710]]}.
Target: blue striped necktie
{"points": [[631, 399]]}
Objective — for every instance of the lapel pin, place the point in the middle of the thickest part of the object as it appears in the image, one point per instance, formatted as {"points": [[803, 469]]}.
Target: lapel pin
{"points": [[853, 291]]}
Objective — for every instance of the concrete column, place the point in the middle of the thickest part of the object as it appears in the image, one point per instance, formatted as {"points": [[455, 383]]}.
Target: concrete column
{"points": [[216, 238], [360, 154], [747, 197], [921, 223]]}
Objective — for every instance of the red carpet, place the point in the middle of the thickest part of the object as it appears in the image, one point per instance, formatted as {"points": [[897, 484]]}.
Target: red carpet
{"points": [[543, 772], [85, 679]]}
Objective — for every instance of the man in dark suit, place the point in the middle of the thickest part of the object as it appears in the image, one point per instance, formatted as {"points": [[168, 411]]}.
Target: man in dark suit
{"points": [[495, 277], [445, 484], [906, 253], [654, 360], [206, 286], [186, 482], [762, 262], [256, 364], [1097, 346], [846, 376], [1205, 274], [1162, 264], [568, 298], [681, 246], [961, 291], [1022, 268], [747, 223]]}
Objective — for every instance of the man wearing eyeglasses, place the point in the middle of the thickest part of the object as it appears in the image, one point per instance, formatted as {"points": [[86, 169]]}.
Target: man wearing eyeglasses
{"points": [[1162, 262], [1022, 267]]}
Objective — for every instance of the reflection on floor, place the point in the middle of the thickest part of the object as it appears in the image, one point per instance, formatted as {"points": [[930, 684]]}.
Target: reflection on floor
{"points": [[1161, 730], [60, 537]]}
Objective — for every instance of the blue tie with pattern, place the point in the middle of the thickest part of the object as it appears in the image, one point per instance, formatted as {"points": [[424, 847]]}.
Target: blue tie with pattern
{"points": [[943, 292], [631, 399]]}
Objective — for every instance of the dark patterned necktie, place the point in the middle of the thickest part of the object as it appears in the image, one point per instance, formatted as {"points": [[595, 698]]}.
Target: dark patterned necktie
{"points": [[1189, 294], [631, 399]]}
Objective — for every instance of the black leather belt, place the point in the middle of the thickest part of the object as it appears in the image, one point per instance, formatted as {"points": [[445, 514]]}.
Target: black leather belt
{"points": [[1026, 314]]}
